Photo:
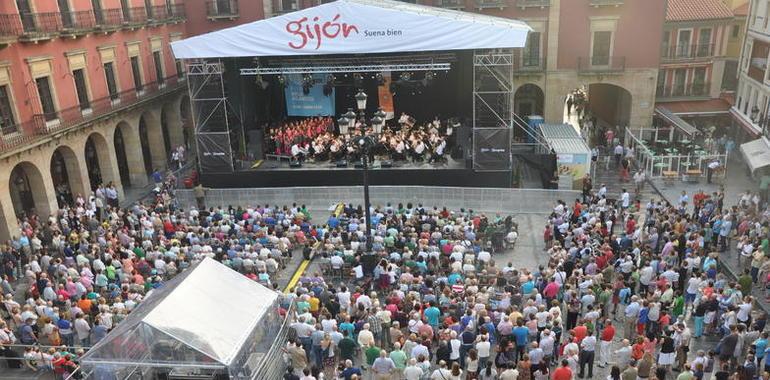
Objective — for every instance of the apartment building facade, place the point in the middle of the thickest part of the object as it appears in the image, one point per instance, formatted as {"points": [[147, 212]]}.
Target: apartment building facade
{"points": [[752, 104], [89, 93], [695, 50]]}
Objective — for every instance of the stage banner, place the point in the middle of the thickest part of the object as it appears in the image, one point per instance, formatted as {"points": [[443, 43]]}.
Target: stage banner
{"points": [[314, 103], [385, 97], [492, 149], [214, 153], [357, 27]]}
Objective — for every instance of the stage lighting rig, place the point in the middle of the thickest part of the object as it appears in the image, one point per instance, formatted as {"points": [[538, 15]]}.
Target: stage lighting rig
{"points": [[380, 79], [406, 76], [262, 83]]}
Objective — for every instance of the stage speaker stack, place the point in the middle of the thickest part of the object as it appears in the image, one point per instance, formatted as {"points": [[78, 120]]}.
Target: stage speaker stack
{"points": [[295, 164], [386, 164], [342, 163]]}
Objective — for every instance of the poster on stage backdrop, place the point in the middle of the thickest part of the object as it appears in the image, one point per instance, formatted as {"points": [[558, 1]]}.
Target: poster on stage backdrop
{"points": [[214, 152], [492, 149], [384, 95], [357, 27], [314, 103]]}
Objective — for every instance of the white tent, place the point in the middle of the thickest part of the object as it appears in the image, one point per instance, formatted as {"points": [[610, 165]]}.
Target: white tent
{"points": [[756, 153], [357, 27], [209, 316]]}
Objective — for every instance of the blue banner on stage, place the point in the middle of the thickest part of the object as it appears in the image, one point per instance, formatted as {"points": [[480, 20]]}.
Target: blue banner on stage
{"points": [[314, 103]]}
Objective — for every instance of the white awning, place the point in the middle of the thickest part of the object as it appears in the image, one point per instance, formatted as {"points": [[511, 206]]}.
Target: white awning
{"points": [[756, 153], [357, 27]]}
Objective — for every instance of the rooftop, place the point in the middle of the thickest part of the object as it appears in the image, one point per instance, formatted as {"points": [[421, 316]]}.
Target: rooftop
{"points": [[692, 10]]}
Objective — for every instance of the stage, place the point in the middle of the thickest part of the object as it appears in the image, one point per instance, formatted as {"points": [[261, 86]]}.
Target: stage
{"points": [[249, 96]]}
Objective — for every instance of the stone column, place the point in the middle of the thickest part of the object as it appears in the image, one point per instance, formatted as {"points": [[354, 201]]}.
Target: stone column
{"points": [[9, 226], [552, 50], [134, 156]]}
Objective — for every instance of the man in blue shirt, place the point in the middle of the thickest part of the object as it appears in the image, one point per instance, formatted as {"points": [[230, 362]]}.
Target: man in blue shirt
{"points": [[521, 334], [432, 313]]}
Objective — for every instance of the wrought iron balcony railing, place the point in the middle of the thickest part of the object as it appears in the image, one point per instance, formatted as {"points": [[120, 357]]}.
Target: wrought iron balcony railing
{"points": [[37, 26], [604, 3], [42, 126], [528, 64], [533, 3], [77, 22], [485, 4], [696, 89], [450, 4], [687, 52], [222, 8]]}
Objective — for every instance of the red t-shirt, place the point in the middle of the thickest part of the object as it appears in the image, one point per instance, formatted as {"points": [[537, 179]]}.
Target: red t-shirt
{"points": [[608, 333], [562, 373], [580, 333]]}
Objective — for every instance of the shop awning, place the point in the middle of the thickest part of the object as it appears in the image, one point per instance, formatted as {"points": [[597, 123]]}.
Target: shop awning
{"points": [[756, 153], [744, 122], [698, 107], [666, 114], [357, 27]]}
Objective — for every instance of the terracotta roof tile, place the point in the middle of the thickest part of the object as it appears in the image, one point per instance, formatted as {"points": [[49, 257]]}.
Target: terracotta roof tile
{"points": [[690, 10]]}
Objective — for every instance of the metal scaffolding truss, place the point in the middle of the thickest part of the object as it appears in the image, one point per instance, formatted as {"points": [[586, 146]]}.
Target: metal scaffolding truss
{"points": [[209, 107], [347, 69]]}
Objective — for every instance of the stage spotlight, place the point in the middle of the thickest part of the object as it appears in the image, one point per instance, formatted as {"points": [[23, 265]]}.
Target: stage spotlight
{"points": [[406, 76], [430, 76], [261, 83], [282, 80], [380, 79], [358, 80], [330, 79]]}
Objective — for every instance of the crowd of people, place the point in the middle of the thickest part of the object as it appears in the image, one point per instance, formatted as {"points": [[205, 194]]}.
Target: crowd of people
{"points": [[317, 139], [630, 290]]}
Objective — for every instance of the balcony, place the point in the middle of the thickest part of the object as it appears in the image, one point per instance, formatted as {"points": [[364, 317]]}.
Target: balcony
{"points": [[109, 20], [43, 126], [40, 26], [10, 28], [450, 4], [133, 17], [222, 9], [491, 4], [533, 3], [176, 12], [601, 65], [679, 53], [524, 64], [692, 90], [157, 14], [605, 3], [77, 23]]}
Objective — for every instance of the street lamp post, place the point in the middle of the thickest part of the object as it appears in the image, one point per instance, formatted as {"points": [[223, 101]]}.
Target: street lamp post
{"points": [[364, 143]]}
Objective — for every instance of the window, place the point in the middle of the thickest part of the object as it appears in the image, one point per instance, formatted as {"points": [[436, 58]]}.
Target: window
{"points": [[156, 58], [704, 43], [699, 81], [179, 69], [126, 10], [136, 70], [532, 50], [46, 98], [683, 43], [223, 7], [96, 5], [81, 88], [666, 42], [601, 49], [66, 15], [148, 8], [736, 31], [112, 87], [7, 124], [680, 75], [27, 18], [288, 5]]}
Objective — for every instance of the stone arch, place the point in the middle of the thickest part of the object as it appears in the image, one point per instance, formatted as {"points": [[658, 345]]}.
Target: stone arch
{"points": [[99, 165], [28, 191], [66, 175], [529, 99], [597, 106], [151, 139], [165, 128]]}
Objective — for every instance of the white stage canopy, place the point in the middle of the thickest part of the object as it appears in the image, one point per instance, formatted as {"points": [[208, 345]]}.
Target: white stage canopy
{"points": [[357, 27]]}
